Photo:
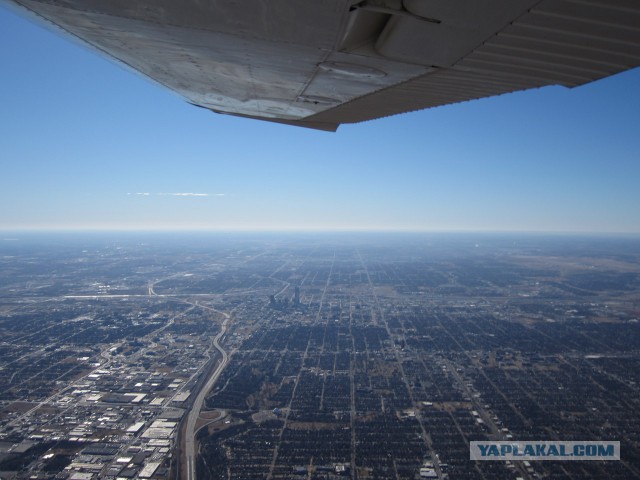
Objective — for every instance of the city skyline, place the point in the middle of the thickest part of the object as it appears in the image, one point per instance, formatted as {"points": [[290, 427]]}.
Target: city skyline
{"points": [[88, 145]]}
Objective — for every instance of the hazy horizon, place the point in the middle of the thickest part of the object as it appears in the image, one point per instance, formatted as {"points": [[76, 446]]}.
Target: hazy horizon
{"points": [[11, 234]]}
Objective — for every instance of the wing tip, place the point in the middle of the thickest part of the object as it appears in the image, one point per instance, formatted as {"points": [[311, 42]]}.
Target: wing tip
{"points": [[315, 125]]}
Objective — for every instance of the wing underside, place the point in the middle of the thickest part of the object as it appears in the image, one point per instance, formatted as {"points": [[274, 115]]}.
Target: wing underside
{"points": [[323, 63]]}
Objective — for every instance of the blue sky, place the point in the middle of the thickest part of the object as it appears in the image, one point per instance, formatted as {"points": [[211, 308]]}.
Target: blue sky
{"points": [[82, 138]]}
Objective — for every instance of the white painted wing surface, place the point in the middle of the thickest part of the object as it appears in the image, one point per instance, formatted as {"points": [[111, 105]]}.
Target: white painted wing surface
{"points": [[321, 63]]}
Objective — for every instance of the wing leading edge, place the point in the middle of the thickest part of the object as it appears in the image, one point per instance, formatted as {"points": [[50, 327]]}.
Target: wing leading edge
{"points": [[321, 64]]}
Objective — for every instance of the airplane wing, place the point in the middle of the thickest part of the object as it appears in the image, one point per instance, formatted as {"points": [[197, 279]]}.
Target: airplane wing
{"points": [[321, 63]]}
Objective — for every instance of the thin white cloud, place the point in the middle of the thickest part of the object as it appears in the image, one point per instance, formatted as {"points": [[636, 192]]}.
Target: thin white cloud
{"points": [[189, 194], [179, 194]]}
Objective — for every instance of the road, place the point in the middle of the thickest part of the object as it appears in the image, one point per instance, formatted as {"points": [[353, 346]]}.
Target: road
{"points": [[194, 413], [190, 430]]}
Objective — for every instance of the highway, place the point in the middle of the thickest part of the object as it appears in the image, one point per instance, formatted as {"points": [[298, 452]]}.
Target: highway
{"points": [[190, 430], [194, 413]]}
